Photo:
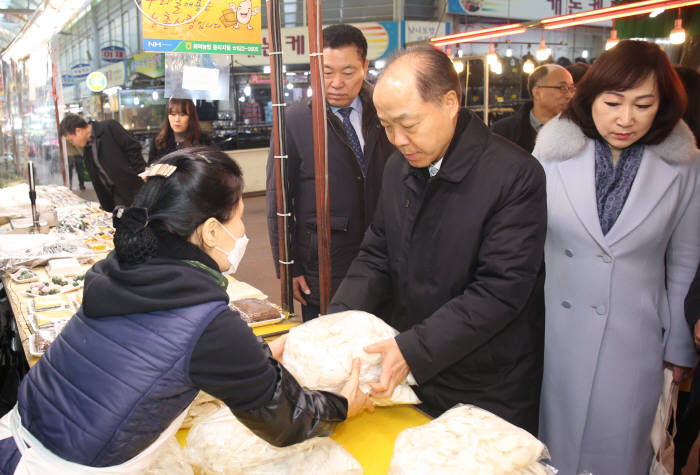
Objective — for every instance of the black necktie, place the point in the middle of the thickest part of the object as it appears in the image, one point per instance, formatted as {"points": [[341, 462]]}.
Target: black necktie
{"points": [[352, 136]]}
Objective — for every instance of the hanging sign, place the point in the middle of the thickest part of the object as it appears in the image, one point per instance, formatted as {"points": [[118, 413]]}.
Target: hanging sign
{"points": [[523, 9], [80, 71], [113, 54], [224, 26]]}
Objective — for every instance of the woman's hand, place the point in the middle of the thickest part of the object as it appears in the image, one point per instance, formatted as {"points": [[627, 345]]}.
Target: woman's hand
{"points": [[277, 347], [357, 400]]}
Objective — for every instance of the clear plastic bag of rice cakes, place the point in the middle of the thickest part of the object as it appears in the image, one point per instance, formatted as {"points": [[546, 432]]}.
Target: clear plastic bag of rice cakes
{"points": [[319, 354], [467, 439], [220, 444]]}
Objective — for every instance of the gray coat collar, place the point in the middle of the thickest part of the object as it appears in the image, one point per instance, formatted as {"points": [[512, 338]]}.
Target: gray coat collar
{"points": [[561, 139]]}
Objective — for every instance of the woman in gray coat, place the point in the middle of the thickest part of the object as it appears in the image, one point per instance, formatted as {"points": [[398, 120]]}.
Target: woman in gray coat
{"points": [[622, 248]]}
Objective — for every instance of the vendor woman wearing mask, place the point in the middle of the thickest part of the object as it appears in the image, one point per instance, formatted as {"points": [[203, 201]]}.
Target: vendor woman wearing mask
{"points": [[180, 129], [153, 330]]}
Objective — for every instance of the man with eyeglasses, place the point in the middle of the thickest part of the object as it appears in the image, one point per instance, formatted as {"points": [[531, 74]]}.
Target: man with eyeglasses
{"points": [[551, 88]]}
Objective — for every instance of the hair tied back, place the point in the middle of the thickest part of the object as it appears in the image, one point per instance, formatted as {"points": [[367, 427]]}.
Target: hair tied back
{"points": [[131, 219]]}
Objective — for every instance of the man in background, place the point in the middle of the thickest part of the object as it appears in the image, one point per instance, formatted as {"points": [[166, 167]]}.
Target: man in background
{"points": [[551, 88], [357, 152], [112, 155], [457, 246]]}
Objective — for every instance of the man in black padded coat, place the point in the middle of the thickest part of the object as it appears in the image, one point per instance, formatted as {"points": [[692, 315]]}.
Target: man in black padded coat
{"points": [[457, 244], [112, 155]]}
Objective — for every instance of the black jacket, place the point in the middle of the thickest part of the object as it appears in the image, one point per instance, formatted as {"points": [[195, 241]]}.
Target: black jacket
{"points": [[462, 255], [353, 196], [120, 157], [154, 153], [228, 361], [517, 128]]}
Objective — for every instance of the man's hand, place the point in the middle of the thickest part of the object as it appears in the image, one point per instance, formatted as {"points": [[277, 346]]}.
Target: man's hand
{"points": [[697, 335], [680, 373], [357, 400], [277, 347], [394, 367], [299, 286]]}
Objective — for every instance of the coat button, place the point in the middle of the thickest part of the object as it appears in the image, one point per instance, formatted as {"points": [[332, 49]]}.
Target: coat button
{"points": [[607, 259], [569, 253], [566, 304], [600, 309]]}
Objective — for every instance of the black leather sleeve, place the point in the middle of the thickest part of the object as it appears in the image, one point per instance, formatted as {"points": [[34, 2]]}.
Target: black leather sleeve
{"points": [[295, 413], [232, 364]]}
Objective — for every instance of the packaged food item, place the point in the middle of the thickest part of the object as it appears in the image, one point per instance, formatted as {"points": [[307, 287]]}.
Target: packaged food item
{"points": [[24, 275], [31, 250], [256, 312], [319, 354], [221, 444], [238, 290], [42, 289], [170, 459], [42, 304], [49, 317], [65, 266], [39, 342], [467, 439]]}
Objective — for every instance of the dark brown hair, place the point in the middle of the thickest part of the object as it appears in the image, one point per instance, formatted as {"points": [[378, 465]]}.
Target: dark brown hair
{"points": [[193, 132], [435, 74], [624, 67]]}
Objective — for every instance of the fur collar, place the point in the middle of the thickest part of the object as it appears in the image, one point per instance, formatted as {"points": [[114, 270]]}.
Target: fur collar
{"points": [[560, 139]]}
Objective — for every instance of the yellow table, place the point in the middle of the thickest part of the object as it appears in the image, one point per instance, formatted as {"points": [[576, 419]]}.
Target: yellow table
{"points": [[369, 437]]}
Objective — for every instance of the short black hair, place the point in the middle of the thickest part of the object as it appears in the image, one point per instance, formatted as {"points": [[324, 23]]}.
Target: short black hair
{"points": [[435, 74], [70, 123], [338, 36]]}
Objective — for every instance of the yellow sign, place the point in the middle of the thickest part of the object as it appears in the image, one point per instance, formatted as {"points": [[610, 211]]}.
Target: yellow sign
{"points": [[222, 27], [96, 81]]}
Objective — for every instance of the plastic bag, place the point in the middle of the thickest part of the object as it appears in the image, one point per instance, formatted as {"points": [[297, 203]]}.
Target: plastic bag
{"points": [[202, 406], [170, 460], [222, 444], [467, 439], [319, 354], [31, 250]]}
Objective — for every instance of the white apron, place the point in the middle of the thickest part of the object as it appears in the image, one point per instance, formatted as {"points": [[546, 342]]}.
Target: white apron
{"points": [[38, 460]]}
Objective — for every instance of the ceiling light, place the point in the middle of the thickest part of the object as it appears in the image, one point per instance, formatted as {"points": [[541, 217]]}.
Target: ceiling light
{"points": [[528, 66], [584, 54], [458, 65], [509, 52], [677, 35], [491, 57], [543, 52], [612, 41], [496, 67]]}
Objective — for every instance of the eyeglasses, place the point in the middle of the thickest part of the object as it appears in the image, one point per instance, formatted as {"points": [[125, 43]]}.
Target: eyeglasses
{"points": [[563, 89]]}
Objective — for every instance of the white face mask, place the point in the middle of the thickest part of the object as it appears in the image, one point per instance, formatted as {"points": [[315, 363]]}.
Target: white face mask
{"points": [[236, 254]]}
